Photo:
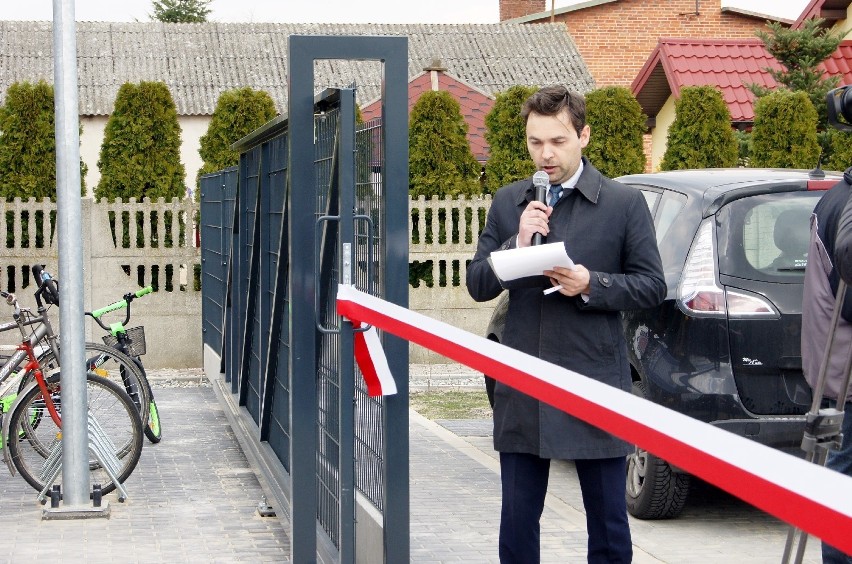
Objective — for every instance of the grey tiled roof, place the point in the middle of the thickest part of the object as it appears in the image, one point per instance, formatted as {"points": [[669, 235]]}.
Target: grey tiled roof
{"points": [[200, 61]]}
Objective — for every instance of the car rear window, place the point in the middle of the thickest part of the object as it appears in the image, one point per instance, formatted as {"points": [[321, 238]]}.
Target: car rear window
{"points": [[766, 237]]}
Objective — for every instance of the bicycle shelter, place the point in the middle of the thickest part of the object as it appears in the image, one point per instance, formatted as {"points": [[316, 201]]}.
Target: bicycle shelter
{"points": [[316, 200]]}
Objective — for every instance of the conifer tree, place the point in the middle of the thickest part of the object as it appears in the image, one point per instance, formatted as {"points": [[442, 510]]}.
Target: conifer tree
{"points": [[784, 133], [28, 143], [800, 52], [701, 134], [140, 154], [617, 123], [181, 11], [506, 135], [440, 160], [238, 112]]}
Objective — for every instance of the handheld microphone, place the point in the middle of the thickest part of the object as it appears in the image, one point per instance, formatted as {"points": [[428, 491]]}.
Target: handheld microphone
{"points": [[540, 181]]}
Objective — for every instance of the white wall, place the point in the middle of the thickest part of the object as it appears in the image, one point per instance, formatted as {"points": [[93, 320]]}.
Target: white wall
{"points": [[659, 135]]}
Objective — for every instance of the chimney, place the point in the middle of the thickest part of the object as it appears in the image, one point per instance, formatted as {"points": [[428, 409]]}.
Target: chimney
{"points": [[510, 9], [433, 69]]}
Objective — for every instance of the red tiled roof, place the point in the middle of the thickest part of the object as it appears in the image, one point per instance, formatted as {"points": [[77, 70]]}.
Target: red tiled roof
{"points": [[729, 65], [474, 103]]}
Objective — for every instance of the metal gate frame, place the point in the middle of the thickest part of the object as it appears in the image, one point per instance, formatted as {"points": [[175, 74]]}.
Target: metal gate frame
{"points": [[303, 51]]}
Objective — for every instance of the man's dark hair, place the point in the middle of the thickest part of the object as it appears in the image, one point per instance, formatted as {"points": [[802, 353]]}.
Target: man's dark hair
{"points": [[551, 100]]}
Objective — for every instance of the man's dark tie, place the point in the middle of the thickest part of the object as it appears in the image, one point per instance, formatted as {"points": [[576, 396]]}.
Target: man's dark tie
{"points": [[553, 194]]}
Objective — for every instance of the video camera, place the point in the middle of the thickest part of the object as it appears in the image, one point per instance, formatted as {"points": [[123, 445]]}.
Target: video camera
{"points": [[839, 102]]}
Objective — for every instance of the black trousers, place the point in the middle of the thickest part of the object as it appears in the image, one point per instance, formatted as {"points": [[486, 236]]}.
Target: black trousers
{"points": [[602, 482]]}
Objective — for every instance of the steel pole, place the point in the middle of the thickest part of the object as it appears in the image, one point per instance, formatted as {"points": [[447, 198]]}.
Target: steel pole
{"points": [[75, 436]]}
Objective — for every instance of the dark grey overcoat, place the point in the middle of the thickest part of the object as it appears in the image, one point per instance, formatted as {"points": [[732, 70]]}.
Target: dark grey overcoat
{"points": [[606, 227]]}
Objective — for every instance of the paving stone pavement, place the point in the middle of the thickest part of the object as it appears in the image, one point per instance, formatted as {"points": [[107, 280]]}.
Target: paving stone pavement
{"points": [[455, 480], [193, 498]]}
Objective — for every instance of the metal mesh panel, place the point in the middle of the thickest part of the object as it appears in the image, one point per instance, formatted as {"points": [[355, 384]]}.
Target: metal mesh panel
{"points": [[369, 275], [229, 204], [328, 365], [239, 268], [215, 244], [250, 282], [278, 399]]}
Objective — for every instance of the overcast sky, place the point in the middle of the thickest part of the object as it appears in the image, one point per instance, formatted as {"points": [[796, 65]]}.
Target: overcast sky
{"points": [[331, 11]]}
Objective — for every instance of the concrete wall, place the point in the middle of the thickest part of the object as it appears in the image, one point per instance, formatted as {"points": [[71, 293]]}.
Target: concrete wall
{"points": [[171, 316], [449, 302]]}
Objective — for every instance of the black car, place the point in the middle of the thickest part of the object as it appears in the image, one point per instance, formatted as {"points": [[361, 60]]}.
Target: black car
{"points": [[724, 347]]}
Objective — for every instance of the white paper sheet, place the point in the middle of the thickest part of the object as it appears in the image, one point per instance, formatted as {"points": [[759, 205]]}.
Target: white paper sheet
{"points": [[529, 261]]}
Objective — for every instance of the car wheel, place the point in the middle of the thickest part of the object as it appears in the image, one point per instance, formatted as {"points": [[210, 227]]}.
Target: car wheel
{"points": [[654, 490]]}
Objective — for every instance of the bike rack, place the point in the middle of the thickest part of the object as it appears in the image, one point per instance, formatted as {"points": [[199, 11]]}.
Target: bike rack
{"points": [[99, 445]]}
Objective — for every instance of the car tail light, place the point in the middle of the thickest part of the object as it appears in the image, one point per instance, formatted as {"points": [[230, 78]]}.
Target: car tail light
{"points": [[698, 292], [745, 305]]}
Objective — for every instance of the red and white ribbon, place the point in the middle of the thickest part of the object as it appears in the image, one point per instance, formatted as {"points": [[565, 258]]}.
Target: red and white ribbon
{"points": [[808, 496], [371, 359]]}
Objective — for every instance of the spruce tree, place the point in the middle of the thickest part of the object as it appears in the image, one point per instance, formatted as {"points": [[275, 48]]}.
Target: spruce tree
{"points": [[617, 123], [28, 143], [140, 154], [181, 11], [701, 134], [507, 137], [238, 112], [784, 133], [440, 160], [800, 52]]}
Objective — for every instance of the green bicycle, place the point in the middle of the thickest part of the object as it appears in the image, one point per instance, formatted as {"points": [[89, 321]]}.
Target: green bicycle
{"points": [[131, 342]]}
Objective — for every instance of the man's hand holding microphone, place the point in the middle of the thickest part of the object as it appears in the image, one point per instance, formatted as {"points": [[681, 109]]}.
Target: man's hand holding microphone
{"points": [[533, 225]]}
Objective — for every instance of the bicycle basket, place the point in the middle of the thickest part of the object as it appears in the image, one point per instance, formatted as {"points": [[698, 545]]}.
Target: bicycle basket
{"points": [[135, 341]]}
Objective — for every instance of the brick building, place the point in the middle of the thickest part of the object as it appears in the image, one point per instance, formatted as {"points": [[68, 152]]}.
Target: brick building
{"points": [[616, 37]]}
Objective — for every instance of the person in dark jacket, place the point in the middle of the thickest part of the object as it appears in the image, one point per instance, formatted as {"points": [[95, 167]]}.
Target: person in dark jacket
{"points": [[829, 259], [608, 232]]}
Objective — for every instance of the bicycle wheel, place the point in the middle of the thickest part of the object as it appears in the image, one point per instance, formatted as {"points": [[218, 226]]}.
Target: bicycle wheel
{"points": [[114, 425], [112, 364]]}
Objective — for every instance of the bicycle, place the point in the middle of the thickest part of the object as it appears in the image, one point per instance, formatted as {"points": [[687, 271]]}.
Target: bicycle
{"points": [[132, 343], [33, 428], [105, 361]]}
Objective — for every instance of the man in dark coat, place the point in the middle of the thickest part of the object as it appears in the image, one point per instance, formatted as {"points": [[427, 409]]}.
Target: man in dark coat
{"points": [[608, 232]]}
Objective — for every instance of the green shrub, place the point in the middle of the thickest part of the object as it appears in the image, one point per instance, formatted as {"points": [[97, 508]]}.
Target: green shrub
{"points": [[440, 160], [784, 133], [238, 112], [701, 135], [140, 154], [617, 123], [28, 143], [507, 137], [841, 150], [744, 147]]}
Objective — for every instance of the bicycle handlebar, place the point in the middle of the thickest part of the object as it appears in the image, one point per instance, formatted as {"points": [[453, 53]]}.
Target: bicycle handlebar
{"points": [[143, 291], [124, 303], [47, 286]]}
